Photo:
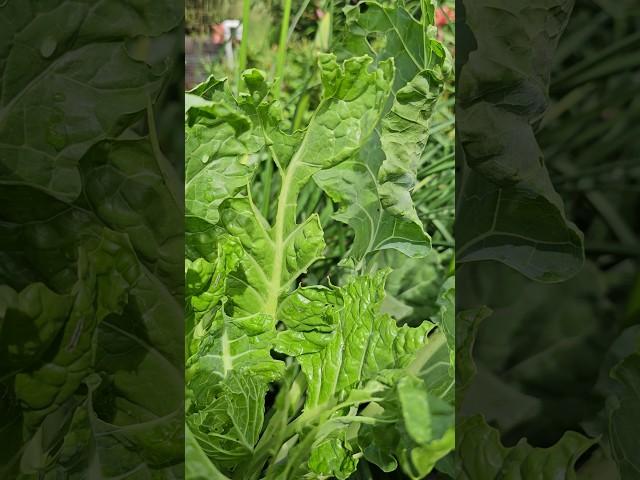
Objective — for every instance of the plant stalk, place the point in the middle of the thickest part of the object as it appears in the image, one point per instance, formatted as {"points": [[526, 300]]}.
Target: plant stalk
{"points": [[244, 43], [282, 48]]}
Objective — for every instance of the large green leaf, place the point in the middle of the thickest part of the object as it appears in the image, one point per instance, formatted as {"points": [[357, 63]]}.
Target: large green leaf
{"points": [[373, 189], [341, 340], [29, 322], [276, 254], [415, 429], [199, 466], [623, 414], [67, 89], [508, 210], [235, 294], [482, 455], [219, 160]]}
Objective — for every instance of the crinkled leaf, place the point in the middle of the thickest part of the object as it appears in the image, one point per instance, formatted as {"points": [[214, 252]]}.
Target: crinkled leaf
{"points": [[373, 189], [508, 210], [205, 284], [415, 429], [219, 163], [102, 289], [332, 457], [482, 455], [390, 31], [199, 467], [64, 90], [29, 322], [268, 267], [405, 131], [360, 344], [624, 413]]}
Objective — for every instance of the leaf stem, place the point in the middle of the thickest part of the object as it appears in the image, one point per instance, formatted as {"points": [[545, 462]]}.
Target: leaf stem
{"points": [[244, 43], [282, 48]]}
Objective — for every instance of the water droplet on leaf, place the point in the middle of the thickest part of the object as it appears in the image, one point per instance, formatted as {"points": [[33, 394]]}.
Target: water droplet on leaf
{"points": [[48, 46], [57, 135], [205, 158]]}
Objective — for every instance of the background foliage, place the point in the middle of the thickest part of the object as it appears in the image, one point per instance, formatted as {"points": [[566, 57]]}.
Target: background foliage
{"points": [[554, 370]]}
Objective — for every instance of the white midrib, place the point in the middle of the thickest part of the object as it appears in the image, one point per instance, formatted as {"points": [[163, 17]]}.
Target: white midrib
{"points": [[271, 306], [227, 360]]}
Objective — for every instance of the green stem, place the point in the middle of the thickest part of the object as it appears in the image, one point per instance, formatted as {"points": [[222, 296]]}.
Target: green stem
{"points": [[301, 109], [427, 51], [297, 18], [273, 436], [242, 56], [282, 48]]}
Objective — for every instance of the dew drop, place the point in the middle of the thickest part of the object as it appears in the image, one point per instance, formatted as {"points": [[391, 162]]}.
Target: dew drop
{"points": [[204, 158], [56, 135], [48, 46]]}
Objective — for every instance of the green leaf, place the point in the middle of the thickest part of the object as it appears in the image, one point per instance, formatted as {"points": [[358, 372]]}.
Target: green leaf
{"points": [[405, 131], [29, 322], [482, 455], [65, 90], [353, 185], [390, 31], [102, 289], [205, 289], [341, 345], [414, 285], [229, 345], [508, 210], [199, 467], [218, 148], [623, 414], [373, 189], [268, 267], [332, 457], [414, 429], [276, 254]]}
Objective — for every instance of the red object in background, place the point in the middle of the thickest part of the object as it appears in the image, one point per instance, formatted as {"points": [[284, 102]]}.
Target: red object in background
{"points": [[444, 15]]}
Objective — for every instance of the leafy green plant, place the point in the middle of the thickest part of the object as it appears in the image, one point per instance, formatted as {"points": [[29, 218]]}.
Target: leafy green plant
{"points": [[91, 374], [289, 378], [554, 371]]}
